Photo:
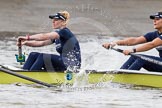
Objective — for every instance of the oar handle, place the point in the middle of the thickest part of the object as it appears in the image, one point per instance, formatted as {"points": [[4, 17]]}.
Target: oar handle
{"points": [[117, 49], [20, 49]]}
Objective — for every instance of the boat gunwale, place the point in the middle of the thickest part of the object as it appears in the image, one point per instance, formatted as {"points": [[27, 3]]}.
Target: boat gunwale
{"points": [[118, 71], [111, 71]]}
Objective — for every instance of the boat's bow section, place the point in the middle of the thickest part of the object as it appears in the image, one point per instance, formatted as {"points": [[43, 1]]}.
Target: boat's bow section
{"points": [[142, 78]]}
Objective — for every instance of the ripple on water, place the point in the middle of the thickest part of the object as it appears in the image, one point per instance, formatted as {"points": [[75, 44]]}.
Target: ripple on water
{"points": [[96, 57]]}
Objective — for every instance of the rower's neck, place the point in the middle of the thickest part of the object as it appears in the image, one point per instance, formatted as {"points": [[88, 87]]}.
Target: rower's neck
{"points": [[160, 31]]}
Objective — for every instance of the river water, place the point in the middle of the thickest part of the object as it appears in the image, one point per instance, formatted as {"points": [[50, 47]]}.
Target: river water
{"points": [[88, 17], [94, 56]]}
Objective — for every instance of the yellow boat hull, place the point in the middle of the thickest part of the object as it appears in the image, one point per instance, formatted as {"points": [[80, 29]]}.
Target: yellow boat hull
{"points": [[151, 79]]}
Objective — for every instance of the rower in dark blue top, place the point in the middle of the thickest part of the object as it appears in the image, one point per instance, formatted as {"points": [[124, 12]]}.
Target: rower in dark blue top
{"points": [[68, 47], [148, 41], [65, 42]]}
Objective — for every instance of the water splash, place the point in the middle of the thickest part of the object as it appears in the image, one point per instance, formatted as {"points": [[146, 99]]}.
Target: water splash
{"points": [[81, 79]]}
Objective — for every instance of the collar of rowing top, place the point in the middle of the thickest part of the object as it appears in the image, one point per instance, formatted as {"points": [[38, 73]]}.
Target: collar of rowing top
{"points": [[160, 34]]}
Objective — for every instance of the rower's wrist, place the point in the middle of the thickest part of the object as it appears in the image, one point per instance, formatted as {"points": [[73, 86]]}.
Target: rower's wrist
{"points": [[113, 44], [27, 37], [134, 50]]}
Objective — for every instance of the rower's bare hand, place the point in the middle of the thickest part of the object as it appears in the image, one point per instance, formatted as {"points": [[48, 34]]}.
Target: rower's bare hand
{"points": [[127, 52], [109, 45], [106, 45], [20, 40]]}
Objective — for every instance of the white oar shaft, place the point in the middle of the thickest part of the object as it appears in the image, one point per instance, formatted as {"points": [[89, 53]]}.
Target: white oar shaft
{"points": [[148, 59], [141, 57]]}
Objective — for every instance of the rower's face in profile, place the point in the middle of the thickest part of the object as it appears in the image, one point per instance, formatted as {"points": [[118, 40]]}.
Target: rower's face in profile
{"points": [[57, 23], [157, 23]]}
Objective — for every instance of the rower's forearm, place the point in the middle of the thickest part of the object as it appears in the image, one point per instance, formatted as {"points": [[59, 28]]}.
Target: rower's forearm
{"points": [[129, 41], [33, 43], [38, 37], [145, 47], [121, 42]]}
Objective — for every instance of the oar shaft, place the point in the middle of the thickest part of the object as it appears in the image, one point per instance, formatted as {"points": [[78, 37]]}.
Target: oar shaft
{"points": [[141, 57], [148, 59], [117, 49], [25, 77], [20, 51]]}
